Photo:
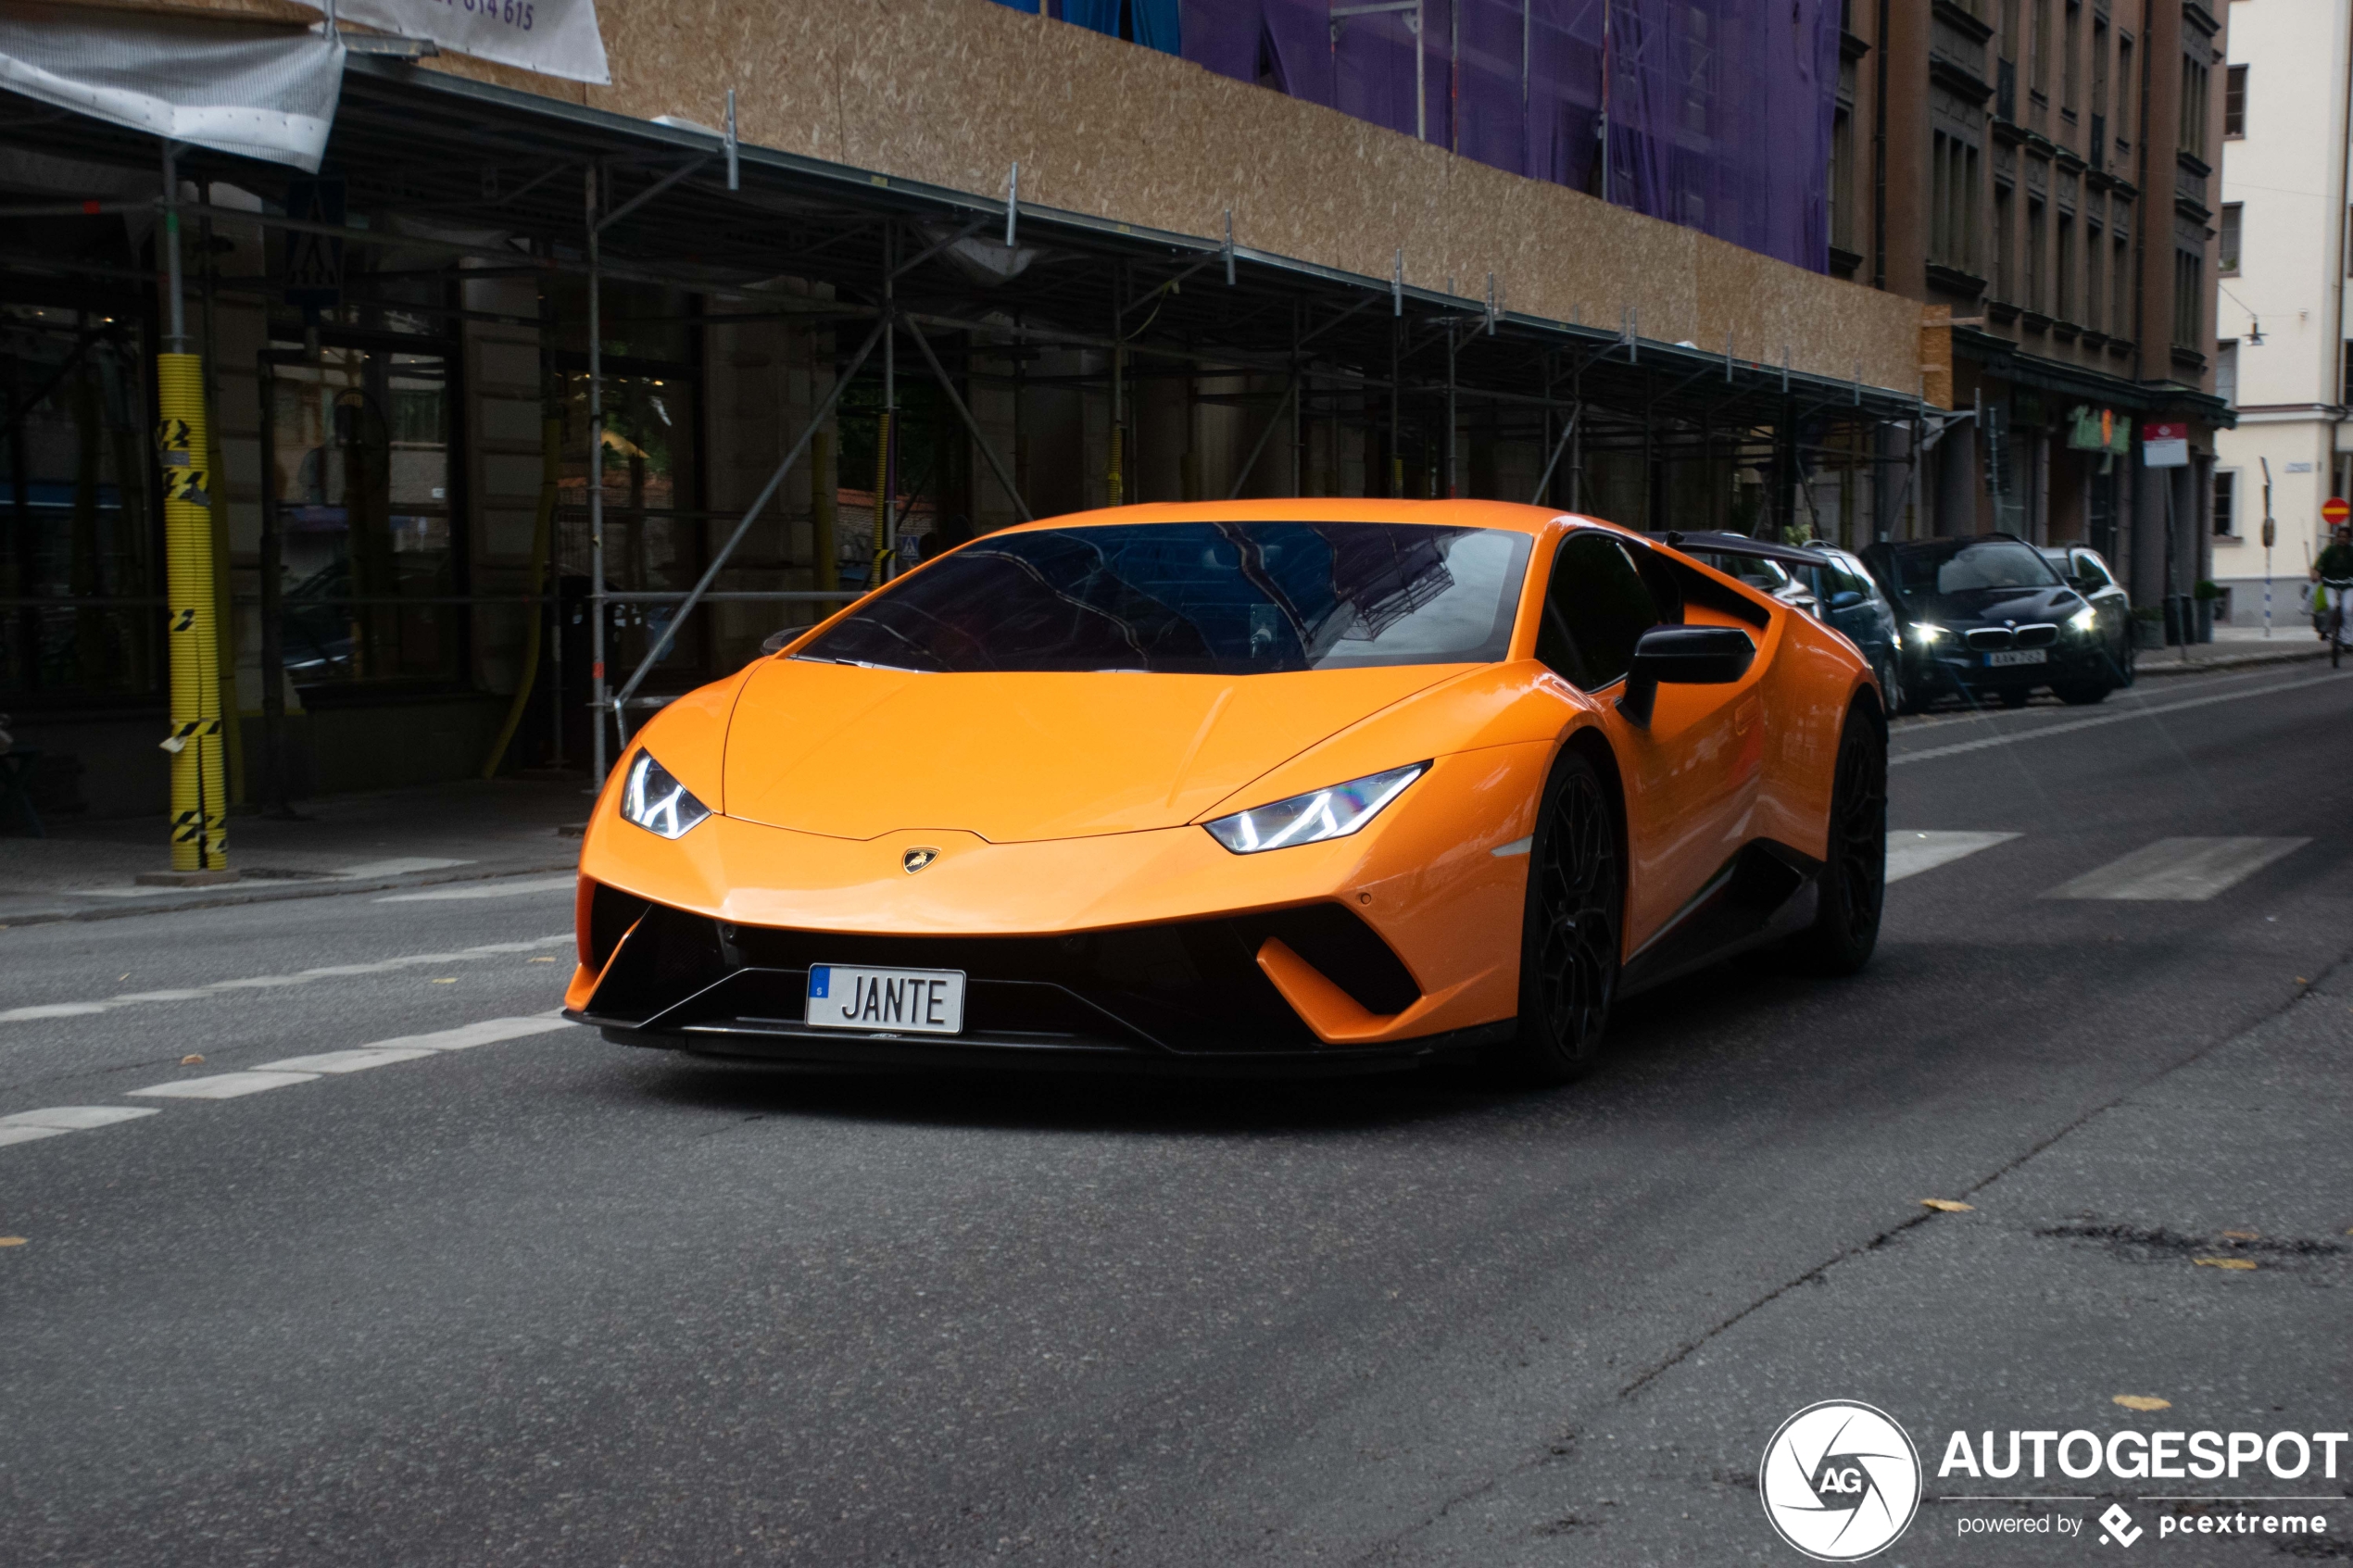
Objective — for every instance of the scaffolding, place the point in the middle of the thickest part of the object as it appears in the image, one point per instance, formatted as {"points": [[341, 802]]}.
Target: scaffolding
{"points": [[1410, 390]]}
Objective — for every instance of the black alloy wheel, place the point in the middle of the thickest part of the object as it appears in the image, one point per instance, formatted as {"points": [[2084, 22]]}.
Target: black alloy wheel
{"points": [[1853, 885], [1570, 931]]}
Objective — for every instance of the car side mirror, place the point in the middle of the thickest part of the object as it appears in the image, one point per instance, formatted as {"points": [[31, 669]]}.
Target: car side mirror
{"points": [[2081, 583], [1846, 598], [1682, 656]]}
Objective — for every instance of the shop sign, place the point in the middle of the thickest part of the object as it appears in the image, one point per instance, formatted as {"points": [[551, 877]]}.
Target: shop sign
{"points": [[2165, 446]]}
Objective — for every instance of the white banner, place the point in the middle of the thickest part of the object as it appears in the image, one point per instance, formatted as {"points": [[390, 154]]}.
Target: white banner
{"points": [[264, 91], [552, 37]]}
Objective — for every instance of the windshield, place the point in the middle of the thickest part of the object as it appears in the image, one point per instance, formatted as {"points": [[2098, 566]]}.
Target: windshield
{"points": [[1935, 567], [1210, 599]]}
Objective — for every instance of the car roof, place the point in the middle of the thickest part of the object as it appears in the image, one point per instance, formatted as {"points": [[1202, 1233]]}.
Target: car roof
{"points": [[1456, 513]]}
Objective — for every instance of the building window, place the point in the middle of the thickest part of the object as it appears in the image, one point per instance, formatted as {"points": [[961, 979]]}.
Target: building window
{"points": [[2063, 269], [2034, 300], [2124, 80], [2226, 503], [2070, 67], [2005, 236], [2228, 252], [2189, 313], [2234, 102], [2194, 75], [2226, 371], [1951, 239], [2120, 302], [1842, 180], [2093, 254], [2099, 66], [2038, 49]]}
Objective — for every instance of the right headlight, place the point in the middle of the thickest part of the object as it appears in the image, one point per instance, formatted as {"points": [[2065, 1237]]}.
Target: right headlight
{"points": [[1927, 633], [1310, 819], [655, 801]]}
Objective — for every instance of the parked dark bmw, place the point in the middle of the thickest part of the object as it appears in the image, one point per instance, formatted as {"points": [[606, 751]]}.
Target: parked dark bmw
{"points": [[1989, 616]]}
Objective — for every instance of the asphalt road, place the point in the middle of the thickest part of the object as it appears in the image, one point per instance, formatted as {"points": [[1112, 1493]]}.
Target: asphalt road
{"points": [[541, 1299]]}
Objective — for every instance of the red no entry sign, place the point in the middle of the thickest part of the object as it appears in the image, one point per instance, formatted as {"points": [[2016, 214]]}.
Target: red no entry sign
{"points": [[2334, 511]]}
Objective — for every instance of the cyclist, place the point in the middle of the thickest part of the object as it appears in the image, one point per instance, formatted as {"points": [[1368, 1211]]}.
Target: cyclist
{"points": [[2332, 573]]}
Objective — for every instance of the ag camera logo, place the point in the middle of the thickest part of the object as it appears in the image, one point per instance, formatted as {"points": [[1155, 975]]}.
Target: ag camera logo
{"points": [[1841, 1481]]}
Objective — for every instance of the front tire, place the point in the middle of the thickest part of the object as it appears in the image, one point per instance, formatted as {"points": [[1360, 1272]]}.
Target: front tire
{"points": [[2082, 693], [1568, 954], [1853, 885]]}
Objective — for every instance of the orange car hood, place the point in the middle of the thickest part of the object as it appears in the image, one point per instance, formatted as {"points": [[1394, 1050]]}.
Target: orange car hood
{"points": [[854, 752]]}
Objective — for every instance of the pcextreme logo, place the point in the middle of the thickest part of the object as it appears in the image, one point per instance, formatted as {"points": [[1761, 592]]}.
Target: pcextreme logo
{"points": [[1841, 1481]]}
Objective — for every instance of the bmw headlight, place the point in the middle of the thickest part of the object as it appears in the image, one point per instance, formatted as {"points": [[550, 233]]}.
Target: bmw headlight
{"points": [[657, 802], [1927, 633], [2084, 622], [1310, 819]]}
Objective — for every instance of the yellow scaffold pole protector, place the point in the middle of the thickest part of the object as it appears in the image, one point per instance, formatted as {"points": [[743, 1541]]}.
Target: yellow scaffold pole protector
{"points": [[199, 785]]}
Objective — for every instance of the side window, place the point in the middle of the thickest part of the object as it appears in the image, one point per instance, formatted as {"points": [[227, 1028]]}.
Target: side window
{"points": [[1595, 608], [2089, 568]]}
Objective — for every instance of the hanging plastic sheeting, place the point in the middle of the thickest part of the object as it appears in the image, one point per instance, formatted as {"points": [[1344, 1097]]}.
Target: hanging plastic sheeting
{"points": [[1720, 120], [1373, 67], [552, 37], [260, 91], [1284, 44], [1155, 24], [1717, 111]]}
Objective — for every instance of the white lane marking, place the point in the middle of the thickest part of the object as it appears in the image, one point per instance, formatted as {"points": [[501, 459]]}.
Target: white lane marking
{"points": [[341, 1062], [398, 868], [224, 1086], [2123, 716], [56, 1121], [488, 890], [27, 1126], [76, 1118], [2182, 870], [489, 1031], [1911, 851], [1516, 847], [331, 971]]}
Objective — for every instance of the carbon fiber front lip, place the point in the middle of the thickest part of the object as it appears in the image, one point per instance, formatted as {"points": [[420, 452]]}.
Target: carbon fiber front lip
{"points": [[787, 1042]]}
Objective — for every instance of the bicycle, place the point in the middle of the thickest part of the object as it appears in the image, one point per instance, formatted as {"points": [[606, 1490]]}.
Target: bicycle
{"points": [[2333, 619]]}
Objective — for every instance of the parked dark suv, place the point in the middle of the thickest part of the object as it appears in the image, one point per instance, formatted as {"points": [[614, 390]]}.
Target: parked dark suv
{"points": [[1988, 617]]}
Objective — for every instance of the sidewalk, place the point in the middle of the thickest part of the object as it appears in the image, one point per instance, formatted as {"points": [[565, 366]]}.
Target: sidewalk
{"points": [[340, 844], [2236, 647]]}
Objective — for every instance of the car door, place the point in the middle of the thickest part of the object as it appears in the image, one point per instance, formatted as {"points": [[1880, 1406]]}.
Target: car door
{"points": [[1690, 774], [2090, 577]]}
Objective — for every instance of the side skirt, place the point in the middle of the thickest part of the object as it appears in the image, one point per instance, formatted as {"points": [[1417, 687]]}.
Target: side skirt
{"points": [[1764, 892]]}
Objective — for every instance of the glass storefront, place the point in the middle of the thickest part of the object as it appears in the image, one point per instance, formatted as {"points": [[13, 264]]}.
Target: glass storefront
{"points": [[77, 519], [361, 472]]}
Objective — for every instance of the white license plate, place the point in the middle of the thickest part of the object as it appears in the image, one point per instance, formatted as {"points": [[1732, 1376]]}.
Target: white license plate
{"points": [[2019, 656], [918, 1001]]}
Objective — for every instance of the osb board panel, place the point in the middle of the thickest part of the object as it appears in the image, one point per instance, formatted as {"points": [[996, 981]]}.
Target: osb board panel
{"points": [[954, 91]]}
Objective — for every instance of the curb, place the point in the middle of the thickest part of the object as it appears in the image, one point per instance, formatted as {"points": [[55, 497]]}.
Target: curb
{"points": [[2145, 670], [323, 888]]}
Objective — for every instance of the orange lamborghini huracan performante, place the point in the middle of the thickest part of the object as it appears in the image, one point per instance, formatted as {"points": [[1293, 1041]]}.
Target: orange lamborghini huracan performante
{"points": [[1268, 785]]}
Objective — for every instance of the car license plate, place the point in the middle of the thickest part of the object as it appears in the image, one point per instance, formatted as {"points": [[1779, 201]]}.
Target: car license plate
{"points": [[921, 1001], [2018, 655]]}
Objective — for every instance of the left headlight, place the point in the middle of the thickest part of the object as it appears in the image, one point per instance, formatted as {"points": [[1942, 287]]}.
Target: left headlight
{"points": [[655, 801], [2084, 622], [1310, 819]]}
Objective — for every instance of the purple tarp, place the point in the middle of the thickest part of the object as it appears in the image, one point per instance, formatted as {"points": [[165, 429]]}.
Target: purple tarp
{"points": [[1718, 111]]}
